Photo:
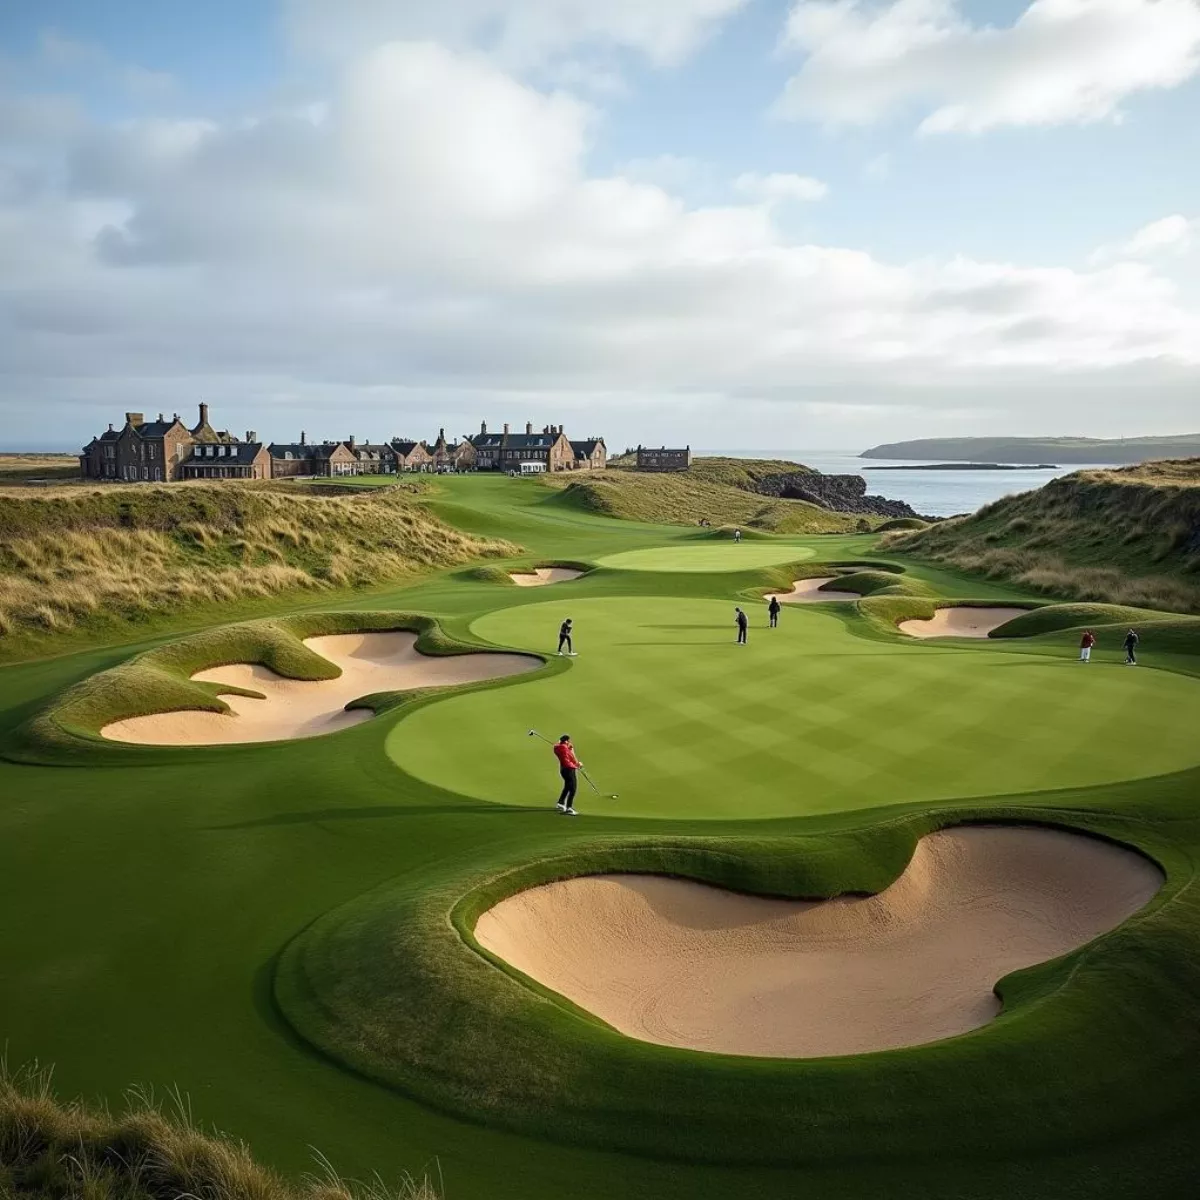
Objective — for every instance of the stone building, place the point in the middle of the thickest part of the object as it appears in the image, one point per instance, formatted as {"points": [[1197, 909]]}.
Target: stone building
{"points": [[528, 452], [590, 455], [663, 459], [451, 456], [411, 456], [147, 451], [292, 459]]}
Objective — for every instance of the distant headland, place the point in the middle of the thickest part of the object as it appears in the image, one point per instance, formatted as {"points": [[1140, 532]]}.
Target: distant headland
{"points": [[990, 452], [966, 466]]}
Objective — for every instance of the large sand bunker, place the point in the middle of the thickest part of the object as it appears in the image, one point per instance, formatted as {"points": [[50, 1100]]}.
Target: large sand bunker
{"points": [[541, 576], [294, 708], [962, 621], [807, 591], [684, 964]]}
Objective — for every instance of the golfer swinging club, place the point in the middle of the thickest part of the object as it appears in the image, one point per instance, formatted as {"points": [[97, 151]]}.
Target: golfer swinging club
{"points": [[568, 766], [564, 639]]}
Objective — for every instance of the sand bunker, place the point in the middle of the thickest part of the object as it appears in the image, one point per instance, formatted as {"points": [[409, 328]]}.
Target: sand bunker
{"points": [[805, 591], [543, 575], [683, 964], [292, 708], [961, 622]]}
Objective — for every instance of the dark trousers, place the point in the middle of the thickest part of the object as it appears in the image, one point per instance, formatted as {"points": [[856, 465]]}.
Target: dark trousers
{"points": [[564, 639], [1130, 653], [741, 635], [774, 619], [570, 787]]}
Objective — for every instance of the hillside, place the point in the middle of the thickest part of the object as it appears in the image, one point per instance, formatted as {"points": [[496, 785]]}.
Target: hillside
{"points": [[17, 468], [111, 558], [1041, 450], [1129, 536], [683, 498]]}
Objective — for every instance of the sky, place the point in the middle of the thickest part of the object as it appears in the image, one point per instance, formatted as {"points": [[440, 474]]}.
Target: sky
{"points": [[723, 223]]}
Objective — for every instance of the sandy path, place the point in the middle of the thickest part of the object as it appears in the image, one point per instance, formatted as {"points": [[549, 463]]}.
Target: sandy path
{"points": [[683, 964], [370, 662], [961, 622], [543, 575], [804, 591]]}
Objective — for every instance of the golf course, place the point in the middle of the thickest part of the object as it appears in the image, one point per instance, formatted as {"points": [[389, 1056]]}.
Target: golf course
{"points": [[897, 899]]}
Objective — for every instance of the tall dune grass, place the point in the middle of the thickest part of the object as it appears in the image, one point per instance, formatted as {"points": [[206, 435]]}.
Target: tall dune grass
{"points": [[124, 554], [51, 1150]]}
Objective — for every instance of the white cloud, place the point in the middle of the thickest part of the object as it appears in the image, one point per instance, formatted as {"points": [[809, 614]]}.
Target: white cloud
{"points": [[519, 33], [432, 234], [777, 187], [1060, 62], [66, 54], [1169, 235]]}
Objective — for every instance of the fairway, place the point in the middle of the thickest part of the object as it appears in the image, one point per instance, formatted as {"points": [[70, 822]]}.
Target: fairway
{"points": [[709, 556], [668, 712]]}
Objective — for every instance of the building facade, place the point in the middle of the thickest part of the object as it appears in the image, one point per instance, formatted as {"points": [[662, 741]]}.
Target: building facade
{"points": [[147, 451], [663, 459], [228, 460], [590, 455]]}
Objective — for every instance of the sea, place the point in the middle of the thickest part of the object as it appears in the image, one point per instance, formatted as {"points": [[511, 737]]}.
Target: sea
{"points": [[931, 493]]}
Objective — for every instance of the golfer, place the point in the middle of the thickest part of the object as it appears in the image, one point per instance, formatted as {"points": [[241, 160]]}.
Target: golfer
{"points": [[568, 766], [737, 535], [773, 609], [1085, 645], [564, 639], [1131, 643], [743, 623]]}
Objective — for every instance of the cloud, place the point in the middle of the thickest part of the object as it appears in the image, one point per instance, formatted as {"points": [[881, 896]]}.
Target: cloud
{"points": [[778, 187], [1060, 62], [70, 55], [518, 33], [1169, 235], [432, 236]]}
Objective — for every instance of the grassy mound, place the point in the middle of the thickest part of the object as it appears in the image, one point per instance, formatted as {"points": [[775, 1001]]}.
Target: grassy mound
{"points": [[1129, 537], [895, 523], [687, 498], [54, 1150], [881, 583], [744, 473], [160, 680], [113, 558]]}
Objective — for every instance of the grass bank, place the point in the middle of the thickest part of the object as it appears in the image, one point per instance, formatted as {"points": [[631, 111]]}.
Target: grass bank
{"points": [[1127, 537], [111, 559], [702, 494], [68, 1150]]}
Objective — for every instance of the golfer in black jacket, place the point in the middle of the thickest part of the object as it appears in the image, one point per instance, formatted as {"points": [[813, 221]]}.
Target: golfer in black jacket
{"points": [[1131, 643], [773, 608], [564, 639], [743, 623]]}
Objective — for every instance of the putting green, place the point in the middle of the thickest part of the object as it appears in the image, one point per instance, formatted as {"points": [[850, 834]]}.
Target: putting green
{"points": [[670, 713], [708, 556]]}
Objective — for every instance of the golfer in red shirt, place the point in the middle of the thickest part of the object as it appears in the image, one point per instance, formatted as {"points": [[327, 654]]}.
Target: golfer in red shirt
{"points": [[1085, 645], [568, 765]]}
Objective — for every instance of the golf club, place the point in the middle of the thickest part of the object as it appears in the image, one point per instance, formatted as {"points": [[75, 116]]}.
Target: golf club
{"points": [[591, 783]]}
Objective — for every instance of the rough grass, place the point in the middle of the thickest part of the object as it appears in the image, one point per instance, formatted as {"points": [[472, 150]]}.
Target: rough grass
{"points": [[120, 556], [1128, 537], [18, 468], [56, 1150], [681, 498]]}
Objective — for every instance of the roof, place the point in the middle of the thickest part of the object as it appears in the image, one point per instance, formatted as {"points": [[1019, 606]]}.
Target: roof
{"points": [[328, 449], [374, 450], [295, 449], [530, 441], [154, 429], [406, 448], [487, 441], [586, 449], [232, 452]]}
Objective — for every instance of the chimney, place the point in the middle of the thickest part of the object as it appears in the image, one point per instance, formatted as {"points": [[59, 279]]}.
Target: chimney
{"points": [[441, 435], [174, 416], [482, 427], [251, 436], [160, 417], [203, 414], [350, 441], [303, 438], [528, 427], [110, 428], [133, 418], [506, 429]]}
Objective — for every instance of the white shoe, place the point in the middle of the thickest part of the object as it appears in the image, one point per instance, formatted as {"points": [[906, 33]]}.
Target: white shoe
{"points": [[569, 812]]}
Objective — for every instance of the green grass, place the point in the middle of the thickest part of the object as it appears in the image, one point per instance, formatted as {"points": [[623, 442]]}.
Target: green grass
{"points": [[708, 557], [671, 714], [282, 930]]}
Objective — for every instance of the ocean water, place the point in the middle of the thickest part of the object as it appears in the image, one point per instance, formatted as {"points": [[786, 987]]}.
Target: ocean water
{"points": [[932, 493]]}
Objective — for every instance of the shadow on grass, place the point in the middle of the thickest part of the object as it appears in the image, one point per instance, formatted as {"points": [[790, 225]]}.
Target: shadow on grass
{"points": [[376, 813]]}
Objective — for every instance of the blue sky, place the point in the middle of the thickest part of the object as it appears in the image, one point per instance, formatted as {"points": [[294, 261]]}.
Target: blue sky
{"points": [[815, 222]]}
